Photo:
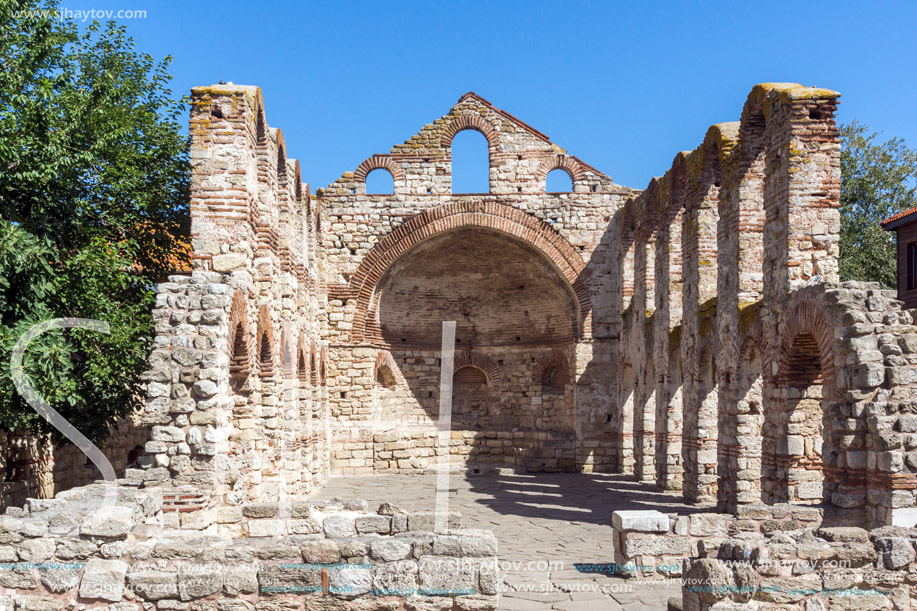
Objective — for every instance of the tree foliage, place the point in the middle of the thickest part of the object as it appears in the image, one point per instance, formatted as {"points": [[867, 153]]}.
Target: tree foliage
{"points": [[877, 180], [93, 210]]}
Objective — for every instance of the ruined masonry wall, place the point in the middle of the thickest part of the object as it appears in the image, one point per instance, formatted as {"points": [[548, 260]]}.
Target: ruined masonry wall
{"points": [[237, 404], [254, 556], [372, 238]]}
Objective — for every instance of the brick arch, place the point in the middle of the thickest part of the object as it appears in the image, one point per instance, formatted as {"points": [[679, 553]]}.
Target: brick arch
{"points": [[265, 342], [498, 217], [302, 358], [552, 359], [260, 120], [466, 358], [281, 158], [706, 356], [702, 165], [313, 365], [297, 181], [378, 162], [323, 367], [469, 121], [307, 206], [385, 359], [240, 344], [646, 217], [801, 322], [570, 165]]}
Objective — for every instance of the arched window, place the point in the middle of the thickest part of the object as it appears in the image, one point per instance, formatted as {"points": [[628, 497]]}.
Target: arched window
{"points": [[551, 372], [281, 166], [794, 434], [803, 362], [384, 377], [550, 380], [265, 342], [558, 181], [265, 352], [239, 357], [380, 181], [469, 374], [240, 352], [470, 162], [302, 362], [470, 398]]}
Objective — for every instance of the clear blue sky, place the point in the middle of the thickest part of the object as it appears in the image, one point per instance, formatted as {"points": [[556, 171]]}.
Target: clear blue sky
{"points": [[622, 85]]}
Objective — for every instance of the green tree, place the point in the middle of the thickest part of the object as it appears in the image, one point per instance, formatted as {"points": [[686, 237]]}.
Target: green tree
{"points": [[877, 180], [93, 210]]}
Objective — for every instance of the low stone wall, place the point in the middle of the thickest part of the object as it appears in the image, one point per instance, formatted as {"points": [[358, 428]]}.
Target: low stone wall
{"points": [[416, 450], [161, 549], [808, 569], [30, 467], [648, 543]]}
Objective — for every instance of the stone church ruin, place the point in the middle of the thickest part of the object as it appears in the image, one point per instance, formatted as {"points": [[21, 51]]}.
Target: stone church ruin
{"points": [[693, 334]]}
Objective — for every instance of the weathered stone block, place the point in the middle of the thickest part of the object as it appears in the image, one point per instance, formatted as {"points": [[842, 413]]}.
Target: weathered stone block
{"points": [[153, 585], [103, 580], [374, 524], [389, 550], [350, 582], [637, 544], [708, 525], [339, 526], [320, 551], [199, 580], [640, 521]]}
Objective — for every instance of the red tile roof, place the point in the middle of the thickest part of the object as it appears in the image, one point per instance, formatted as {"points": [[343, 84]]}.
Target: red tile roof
{"points": [[898, 219]]}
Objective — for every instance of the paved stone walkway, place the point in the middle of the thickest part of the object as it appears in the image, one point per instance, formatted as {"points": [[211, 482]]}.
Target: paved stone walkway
{"points": [[544, 524]]}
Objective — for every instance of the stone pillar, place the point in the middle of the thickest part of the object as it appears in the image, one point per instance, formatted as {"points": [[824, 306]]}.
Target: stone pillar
{"points": [[188, 396], [739, 285], [642, 354], [699, 270], [624, 291], [802, 184], [666, 317]]}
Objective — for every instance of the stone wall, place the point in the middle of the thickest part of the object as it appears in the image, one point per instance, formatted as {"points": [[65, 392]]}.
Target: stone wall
{"points": [[807, 568], [303, 332], [748, 373], [34, 469], [151, 550], [650, 544], [236, 395], [523, 272]]}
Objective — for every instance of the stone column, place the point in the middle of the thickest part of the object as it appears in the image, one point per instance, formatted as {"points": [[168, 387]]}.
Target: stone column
{"points": [[699, 270], [666, 317], [641, 352]]}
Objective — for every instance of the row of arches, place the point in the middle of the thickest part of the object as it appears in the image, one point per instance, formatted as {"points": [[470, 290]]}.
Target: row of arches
{"points": [[488, 394], [551, 371], [470, 159], [763, 431], [283, 178], [728, 229], [258, 355]]}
